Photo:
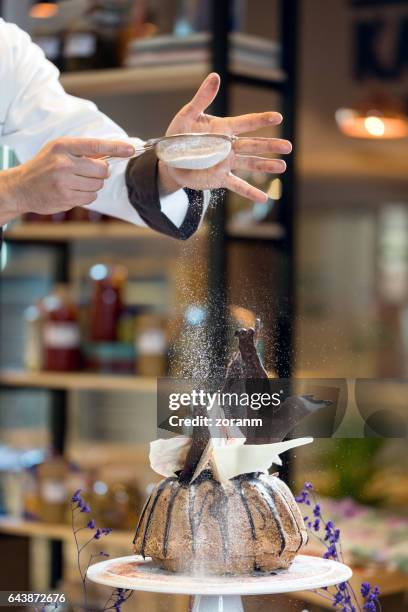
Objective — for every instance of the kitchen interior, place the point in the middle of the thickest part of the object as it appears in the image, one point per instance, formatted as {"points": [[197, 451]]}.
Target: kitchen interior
{"points": [[330, 281]]}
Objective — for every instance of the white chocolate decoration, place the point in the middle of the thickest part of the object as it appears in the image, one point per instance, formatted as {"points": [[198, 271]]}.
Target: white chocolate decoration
{"points": [[235, 459], [168, 456], [227, 458]]}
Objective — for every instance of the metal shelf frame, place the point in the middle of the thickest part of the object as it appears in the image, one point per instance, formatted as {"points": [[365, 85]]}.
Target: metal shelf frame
{"points": [[285, 243]]}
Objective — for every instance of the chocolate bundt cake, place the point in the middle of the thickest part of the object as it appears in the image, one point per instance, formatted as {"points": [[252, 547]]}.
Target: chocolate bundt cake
{"points": [[196, 522], [252, 523]]}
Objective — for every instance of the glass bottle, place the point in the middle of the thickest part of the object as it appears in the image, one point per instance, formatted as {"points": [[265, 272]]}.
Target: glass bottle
{"points": [[106, 301], [61, 337]]}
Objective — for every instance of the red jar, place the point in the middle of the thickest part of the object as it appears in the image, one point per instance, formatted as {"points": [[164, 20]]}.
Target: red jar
{"points": [[61, 332], [106, 301]]}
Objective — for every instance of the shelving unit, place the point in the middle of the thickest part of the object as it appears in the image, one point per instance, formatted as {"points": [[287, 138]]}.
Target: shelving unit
{"points": [[279, 235], [112, 230], [74, 231], [76, 381], [151, 79], [60, 533]]}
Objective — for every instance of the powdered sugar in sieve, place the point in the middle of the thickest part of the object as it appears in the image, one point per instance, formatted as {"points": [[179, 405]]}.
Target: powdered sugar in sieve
{"points": [[193, 151]]}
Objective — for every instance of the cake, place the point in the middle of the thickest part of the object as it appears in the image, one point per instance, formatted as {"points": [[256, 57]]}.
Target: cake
{"points": [[250, 524], [219, 511]]}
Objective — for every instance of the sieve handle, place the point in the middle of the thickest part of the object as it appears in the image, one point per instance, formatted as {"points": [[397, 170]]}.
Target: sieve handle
{"points": [[149, 144]]}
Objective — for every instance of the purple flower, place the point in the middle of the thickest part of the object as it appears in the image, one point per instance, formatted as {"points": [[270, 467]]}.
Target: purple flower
{"points": [[106, 531], [317, 510], [343, 586], [316, 525], [91, 524], [331, 552], [98, 534], [76, 496], [365, 589], [338, 598], [85, 508], [308, 486]]}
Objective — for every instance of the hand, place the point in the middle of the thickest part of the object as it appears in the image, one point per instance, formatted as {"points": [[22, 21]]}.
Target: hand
{"points": [[67, 172], [247, 154]]}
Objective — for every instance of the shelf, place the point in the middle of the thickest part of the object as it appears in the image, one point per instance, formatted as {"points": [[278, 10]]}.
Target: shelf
{"points": [[71, 230], [146, 79], [262, 231], [76, 381], [159, 78], [31, 529]]}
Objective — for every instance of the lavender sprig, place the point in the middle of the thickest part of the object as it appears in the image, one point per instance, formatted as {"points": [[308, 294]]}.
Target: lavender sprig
{"points": [[343, 596], [78, 507]]}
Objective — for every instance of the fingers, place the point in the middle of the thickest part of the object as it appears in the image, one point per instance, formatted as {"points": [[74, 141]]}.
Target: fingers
{"points": [[259, 145], [259, 164], [93, 147], [241, 187], [253, 121], [81, 183], [91, 168], [204, 96]]}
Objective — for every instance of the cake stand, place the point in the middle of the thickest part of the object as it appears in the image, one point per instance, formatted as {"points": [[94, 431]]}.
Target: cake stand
{"points": [[218, 593]]}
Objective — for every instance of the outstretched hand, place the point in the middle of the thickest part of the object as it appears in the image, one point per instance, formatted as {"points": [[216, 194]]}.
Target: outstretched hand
{"points": [[247, 154]]}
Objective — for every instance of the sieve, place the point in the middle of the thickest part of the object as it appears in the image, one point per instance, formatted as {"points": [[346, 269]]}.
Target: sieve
{"points": [[192, 151]]}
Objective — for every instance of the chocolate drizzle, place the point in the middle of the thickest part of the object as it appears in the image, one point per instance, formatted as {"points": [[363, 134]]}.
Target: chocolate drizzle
{"points": [[139, 525], [281, 490], [269, 496], [219, 511], [239, 486], [158, 492], [174, 493], [195, 521], [216, 509]]}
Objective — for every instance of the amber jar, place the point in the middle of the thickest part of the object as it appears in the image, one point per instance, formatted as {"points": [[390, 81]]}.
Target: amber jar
{"points": [[108, 284], [61, 339], [151, 345], [53, 496]]}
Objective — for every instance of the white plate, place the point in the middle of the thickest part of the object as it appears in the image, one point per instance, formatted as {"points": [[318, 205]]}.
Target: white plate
{"points": [[133, 572]]}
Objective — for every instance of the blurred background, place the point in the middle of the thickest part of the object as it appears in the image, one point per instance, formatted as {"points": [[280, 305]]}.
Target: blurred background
{"points": [[93, 310]]}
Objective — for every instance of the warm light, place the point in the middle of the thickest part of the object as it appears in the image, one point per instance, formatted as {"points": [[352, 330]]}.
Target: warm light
{"points": [[375, 126], [44, 10], [371, 124], [275, 189]]}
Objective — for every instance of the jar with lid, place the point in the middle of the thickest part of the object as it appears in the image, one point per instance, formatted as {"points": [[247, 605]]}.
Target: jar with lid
{"points": [[61, 332]]}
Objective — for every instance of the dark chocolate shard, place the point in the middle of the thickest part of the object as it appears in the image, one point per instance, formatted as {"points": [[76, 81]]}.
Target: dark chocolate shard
{"points": [[200, 439], [253, 367]]}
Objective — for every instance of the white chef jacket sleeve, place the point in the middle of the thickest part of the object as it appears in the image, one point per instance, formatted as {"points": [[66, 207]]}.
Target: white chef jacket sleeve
{"points": [[40, 110]]}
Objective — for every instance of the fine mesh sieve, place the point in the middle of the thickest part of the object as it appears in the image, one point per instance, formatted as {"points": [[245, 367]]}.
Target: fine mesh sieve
{"points": [[193, 151]]}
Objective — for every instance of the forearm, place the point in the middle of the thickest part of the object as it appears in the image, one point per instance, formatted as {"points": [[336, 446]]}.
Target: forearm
{"points": [[10, 205]]}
